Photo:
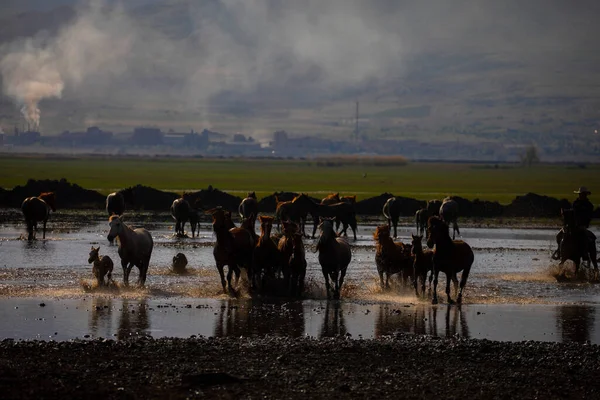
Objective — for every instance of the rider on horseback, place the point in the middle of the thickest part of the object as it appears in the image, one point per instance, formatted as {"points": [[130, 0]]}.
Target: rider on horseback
{"points": [[584, 210]]}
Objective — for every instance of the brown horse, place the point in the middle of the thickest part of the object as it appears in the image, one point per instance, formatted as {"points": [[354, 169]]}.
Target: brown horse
{"points": [[135, 248], [334, 257], [234, 247], [391, 257], [423, 263], [296, 211], [331, 198], [102, 266], [267, 263], [293, 258], [37, 209], [450, 257]]}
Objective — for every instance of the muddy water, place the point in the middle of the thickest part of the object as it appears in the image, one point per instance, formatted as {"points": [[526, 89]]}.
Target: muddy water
{"points": [[511, 294]]}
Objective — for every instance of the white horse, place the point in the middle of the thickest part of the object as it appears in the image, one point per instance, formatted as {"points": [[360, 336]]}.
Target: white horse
{"points": [[135, 248]]}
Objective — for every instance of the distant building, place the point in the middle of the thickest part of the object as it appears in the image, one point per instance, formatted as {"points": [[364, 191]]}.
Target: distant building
{"points": [[147, 137]]}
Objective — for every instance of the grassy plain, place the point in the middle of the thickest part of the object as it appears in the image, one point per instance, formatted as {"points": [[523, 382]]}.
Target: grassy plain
{"points": [[237, 176]]}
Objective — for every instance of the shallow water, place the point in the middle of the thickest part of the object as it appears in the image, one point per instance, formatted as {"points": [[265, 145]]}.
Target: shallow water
{"points": [[511, 293]]}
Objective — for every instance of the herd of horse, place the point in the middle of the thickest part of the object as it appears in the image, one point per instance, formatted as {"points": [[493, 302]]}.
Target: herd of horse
{"points": [[277, 260]]}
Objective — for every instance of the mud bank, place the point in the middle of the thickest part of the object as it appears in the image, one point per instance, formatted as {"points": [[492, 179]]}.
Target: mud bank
{"points": [[72, 196], [402, 366]]}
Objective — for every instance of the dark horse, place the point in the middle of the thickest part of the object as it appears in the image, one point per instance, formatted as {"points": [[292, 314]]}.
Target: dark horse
{"points": [[181, 211], [38, 209], [421, 218], [391, 212], [249, 207], [115, 202], [422, 264], [334, 257], [450, 257], [295, 210], [449, 213], [575, 245], [391, 257]]}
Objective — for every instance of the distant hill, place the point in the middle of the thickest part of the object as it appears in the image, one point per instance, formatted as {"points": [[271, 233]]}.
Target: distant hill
{"points": [[499, 74]]}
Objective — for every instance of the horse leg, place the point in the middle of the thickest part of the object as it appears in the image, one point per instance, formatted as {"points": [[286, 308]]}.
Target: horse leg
{"points": [[336, 286], [354, 228], [125, 273], [29, 230], [315, 219], [463, 283], [395, 228], [593, 258], [44, 230], [342, 276], [455, 228], [416, 281], [387, 281], [222, 274], [448, 279], [327, 286], [455, 282], [435, 282], [423, 279], [381, 280]]}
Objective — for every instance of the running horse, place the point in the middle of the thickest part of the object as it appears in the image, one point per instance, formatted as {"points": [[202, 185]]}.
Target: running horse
{"points": [[297, 211], [234, 247], [334, 257], [391, 257], [293, 258], [135, 248], [450, 257], [37, 209], [574, 244]]}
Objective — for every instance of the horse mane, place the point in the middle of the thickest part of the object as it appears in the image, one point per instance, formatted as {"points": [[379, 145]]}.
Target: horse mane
{"points": [[113, 217], [351, 199], [252, 195]]}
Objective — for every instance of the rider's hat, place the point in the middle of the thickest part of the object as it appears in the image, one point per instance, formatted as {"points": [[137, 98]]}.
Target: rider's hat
{"points": [[583, 189]]}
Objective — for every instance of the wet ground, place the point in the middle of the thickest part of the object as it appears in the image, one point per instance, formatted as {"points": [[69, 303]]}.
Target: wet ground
{"points": [[511, 294]]}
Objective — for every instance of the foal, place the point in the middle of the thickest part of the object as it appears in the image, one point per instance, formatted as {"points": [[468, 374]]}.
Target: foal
{"points": [[103, 266], [423, 263]]}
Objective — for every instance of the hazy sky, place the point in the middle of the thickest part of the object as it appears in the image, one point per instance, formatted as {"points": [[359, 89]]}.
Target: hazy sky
{"points": [[196, 53]]}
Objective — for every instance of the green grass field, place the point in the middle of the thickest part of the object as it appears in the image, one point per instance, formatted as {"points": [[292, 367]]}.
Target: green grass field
{"points": [[237, 176]]}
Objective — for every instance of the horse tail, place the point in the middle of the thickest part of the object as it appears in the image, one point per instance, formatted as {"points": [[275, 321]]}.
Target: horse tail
{"points": [[387, 206], [241, 209]]}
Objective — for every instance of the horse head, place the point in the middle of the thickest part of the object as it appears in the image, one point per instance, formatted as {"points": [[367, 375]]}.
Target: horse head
{"points": [[252, 195], [116, 227], [266, 224], [50, 199], [93, 254], [417, 246], [436, 230], [382, 232]]}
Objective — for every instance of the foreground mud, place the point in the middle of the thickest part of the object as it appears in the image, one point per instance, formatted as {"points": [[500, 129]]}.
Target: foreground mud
{"points": [[404, 366]]}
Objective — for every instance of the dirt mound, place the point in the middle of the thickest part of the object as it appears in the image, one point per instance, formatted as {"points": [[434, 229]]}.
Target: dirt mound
{"points": [[147, 198], [373, 205], [478, 208], [535, 205], [211, 197], [68, 195]]}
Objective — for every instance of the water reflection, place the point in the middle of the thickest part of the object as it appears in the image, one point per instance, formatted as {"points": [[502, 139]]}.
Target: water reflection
{"points": [[421, 320], [575, 322], [333, 320], [248, 318], [100, 321], [133, 320]]}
